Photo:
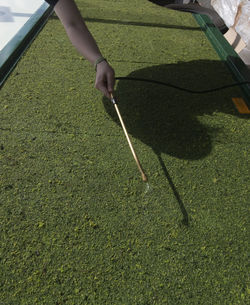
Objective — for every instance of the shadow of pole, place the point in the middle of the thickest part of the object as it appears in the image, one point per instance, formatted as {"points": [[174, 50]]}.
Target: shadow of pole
{"points": [[185, 219]]}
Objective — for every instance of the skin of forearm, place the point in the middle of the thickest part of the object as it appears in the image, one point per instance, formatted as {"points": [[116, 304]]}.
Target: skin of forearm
{"points": [[83, 41], [77, 30]]}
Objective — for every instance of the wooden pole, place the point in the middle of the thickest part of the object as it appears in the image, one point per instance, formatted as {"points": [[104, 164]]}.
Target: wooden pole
{"points": [[144, 177]]}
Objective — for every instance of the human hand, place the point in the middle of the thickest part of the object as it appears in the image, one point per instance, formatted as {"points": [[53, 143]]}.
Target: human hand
{"points": [[105, 78]]}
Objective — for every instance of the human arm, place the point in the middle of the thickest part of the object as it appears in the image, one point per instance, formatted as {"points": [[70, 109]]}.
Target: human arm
{"points": [[82, 39]]}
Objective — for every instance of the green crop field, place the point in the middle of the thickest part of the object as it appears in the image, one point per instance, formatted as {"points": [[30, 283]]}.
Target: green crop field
{"points": [[76, 223]]}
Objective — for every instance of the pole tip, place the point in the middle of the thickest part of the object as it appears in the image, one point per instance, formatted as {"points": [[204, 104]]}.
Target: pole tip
{"points": [[144, 178]]}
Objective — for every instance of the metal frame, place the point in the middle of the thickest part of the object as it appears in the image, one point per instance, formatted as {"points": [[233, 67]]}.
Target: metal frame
{"points": [[12, 52], [226, 52]]}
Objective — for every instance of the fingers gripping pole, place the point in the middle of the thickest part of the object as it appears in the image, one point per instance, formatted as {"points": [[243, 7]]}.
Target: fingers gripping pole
{"points": [[144, 177]]}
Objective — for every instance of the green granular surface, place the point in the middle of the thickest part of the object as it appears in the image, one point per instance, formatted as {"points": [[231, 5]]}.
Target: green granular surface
{"points": [[76, 224]]}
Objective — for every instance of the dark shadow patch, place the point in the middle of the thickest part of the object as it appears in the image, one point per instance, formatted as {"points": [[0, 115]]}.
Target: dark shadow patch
{"points": [[167, 119]]}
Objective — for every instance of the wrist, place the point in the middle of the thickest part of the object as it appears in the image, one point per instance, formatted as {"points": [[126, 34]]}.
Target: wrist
{"points": [[98, 61]]}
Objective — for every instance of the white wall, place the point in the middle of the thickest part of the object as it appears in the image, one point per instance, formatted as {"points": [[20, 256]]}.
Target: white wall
{"points": [[13, 15]]}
